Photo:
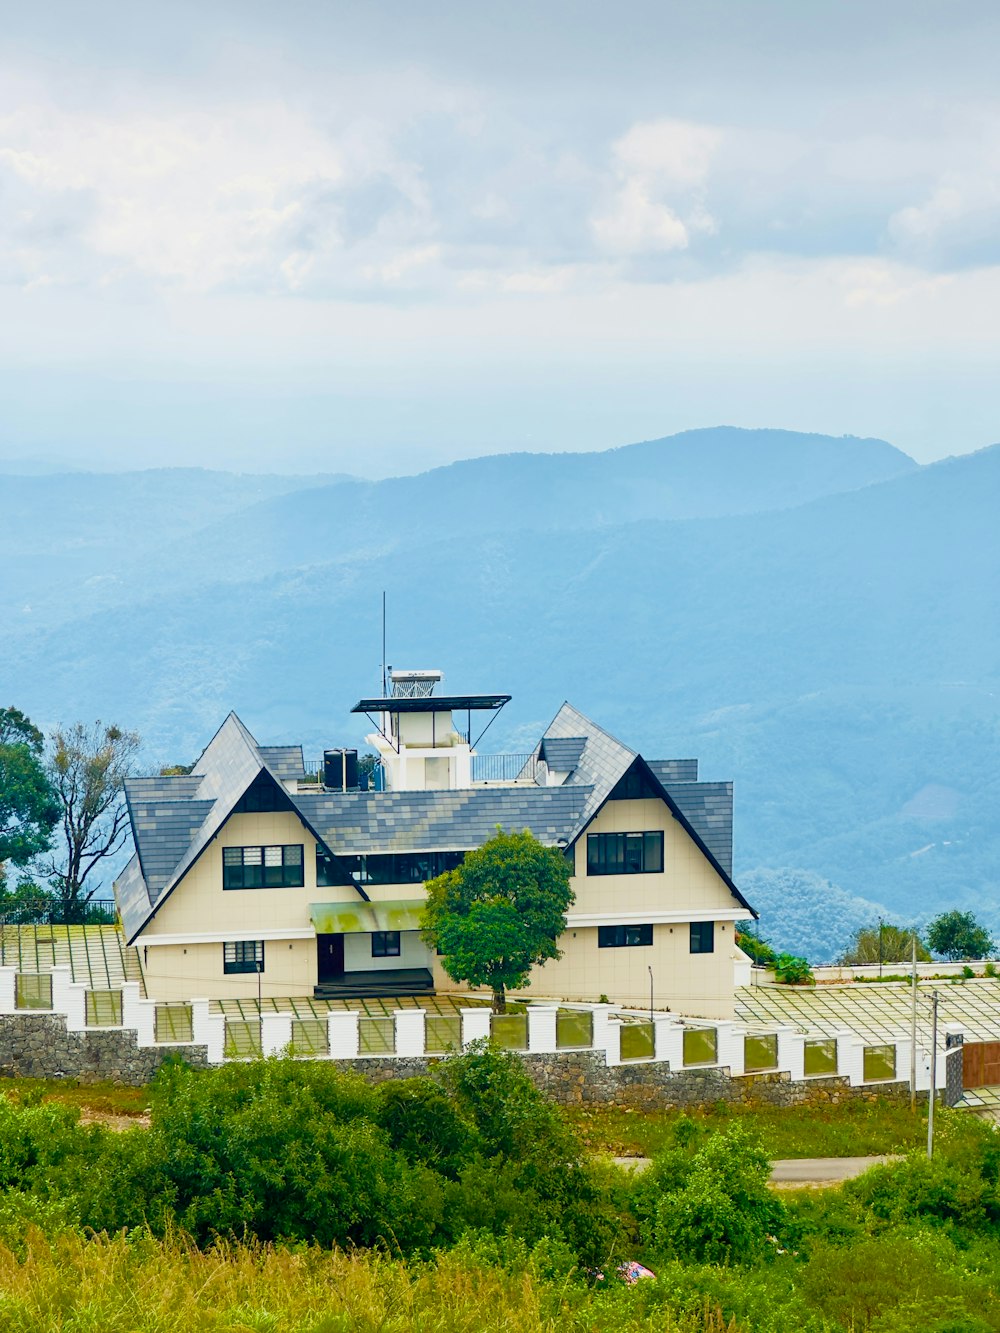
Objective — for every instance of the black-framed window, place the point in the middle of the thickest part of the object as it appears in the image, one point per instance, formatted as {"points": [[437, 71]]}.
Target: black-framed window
{"points": [[624, 853], [243, 956], [703, 937], [385, 943], [263, 867], [386, 867], [623, 937]]}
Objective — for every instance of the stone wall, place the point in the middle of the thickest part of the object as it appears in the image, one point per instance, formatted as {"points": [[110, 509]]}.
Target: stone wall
{"points": [[35, 1045], [581, 1078], [39, 1046]]}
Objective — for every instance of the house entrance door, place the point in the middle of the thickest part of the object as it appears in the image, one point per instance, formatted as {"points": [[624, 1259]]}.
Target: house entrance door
{"points": [[329, 957]]}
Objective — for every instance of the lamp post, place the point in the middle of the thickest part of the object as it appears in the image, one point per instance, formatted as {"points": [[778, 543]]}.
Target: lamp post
{"points": [[650, 971]]}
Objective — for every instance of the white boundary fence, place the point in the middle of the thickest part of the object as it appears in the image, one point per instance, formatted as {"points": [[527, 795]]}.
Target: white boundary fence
{"points": [[624, 1039]]}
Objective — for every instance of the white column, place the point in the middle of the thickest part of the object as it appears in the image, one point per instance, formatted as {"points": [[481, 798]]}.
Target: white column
{"points": [[138, 1014], [410, 1031], [612, 1041], [475, 1025], [602, 1035], [669, 1040], [342, 1027], [275, 1033], [791, 1052], [69, 998], [851, 1058], [729, 1048], [8, 990], [209, 1030], [542, 1027]]}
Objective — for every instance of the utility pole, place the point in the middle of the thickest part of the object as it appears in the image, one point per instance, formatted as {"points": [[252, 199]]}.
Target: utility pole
{"points": [[880, 948], [933, 1090], [913, 1028]]}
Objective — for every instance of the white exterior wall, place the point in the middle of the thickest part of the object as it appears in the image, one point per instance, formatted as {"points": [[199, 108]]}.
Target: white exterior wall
{"points": [[413, 952]]}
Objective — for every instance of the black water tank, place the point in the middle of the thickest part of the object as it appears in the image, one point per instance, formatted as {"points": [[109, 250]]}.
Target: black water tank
{"points": [[340, 770]]}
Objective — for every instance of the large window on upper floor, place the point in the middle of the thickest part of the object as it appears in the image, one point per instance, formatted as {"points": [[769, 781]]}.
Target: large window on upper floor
{"points": [[624, 853], [386, 867], [263, 867]]}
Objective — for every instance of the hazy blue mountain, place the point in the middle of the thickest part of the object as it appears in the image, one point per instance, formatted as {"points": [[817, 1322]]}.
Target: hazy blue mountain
{"points": [[840, 658], [802, 913]]}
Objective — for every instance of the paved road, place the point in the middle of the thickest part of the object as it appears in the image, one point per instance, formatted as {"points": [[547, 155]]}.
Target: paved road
{"points": [[796, 1170]]}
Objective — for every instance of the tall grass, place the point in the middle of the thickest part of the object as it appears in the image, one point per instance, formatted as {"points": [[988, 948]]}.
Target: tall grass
{"points": [[135, 1284]]}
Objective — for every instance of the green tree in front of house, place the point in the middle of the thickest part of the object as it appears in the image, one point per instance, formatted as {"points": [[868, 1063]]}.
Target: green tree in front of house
{"points": [[500, 913], [958, 935]]}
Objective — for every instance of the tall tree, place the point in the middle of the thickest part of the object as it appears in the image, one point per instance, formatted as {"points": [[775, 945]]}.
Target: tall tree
{"points": [[28, 805], [884, 943], [958, 935], [88, 767], [500, 913]]}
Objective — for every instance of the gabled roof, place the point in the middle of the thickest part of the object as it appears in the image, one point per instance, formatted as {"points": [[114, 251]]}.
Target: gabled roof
{"points": [[174, 819], [700, 808]]}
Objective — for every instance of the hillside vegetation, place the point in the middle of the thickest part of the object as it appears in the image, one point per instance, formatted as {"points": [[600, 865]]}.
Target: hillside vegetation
{"points": [[815, 618], [287, 1197]]}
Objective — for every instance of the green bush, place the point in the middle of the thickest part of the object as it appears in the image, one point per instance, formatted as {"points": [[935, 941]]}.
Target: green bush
{"points": [[792, 971], [717, 1207]]}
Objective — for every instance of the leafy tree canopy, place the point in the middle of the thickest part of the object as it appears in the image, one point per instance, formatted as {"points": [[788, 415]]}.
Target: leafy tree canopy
{"points": [[500, 913], [28, 806], [884, 943], [959, 935]]}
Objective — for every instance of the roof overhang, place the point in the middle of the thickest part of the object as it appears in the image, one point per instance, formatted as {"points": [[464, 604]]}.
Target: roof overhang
{"points": [[363, 918], [446, 703]]}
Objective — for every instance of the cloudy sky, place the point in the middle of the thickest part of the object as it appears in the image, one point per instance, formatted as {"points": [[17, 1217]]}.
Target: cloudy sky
{"points": [[375, 237]]}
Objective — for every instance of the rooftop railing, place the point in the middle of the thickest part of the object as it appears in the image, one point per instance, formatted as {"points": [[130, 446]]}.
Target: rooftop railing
{"points": [[504, 767]]}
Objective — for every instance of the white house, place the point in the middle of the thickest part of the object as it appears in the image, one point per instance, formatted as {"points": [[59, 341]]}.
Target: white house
{"points": [[251, 874]]}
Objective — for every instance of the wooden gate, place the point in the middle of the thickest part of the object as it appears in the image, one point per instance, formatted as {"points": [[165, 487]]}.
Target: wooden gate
{"points": [[981, 1064]]}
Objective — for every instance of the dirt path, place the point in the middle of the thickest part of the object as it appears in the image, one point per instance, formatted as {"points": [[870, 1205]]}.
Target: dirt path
{"points": [[796, 1172]]}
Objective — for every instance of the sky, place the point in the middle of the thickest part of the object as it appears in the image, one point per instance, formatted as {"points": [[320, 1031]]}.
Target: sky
{"points": [[334, 237]]}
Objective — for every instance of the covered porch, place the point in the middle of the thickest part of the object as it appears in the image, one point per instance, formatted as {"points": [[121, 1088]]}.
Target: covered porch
{"points": [[370, 949]]}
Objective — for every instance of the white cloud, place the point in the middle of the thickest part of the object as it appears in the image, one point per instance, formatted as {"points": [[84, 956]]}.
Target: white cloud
{"points": [[661, 168]]}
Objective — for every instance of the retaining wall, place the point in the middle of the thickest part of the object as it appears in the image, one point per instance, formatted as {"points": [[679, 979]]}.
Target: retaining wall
{"points": [[40, 1046]]}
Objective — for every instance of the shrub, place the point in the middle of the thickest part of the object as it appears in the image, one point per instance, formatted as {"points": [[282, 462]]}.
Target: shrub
{"points": [[720, 1210], [791, 971]]}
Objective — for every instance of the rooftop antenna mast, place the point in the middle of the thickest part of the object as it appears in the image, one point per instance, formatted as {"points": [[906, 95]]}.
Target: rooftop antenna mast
{"points": [[384, 682]]}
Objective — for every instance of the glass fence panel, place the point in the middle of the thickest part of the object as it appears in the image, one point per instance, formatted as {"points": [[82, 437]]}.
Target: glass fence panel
{"points": [[574, 1027], [509, 1031], [242, 1038], [638, 1041], [442, 1033], [760, 1051], [104, 1008], [820, 1057], [701, 1046], [376, 1036], [33, 990], [880, 1063], [310, 1036], [173, 1023]]}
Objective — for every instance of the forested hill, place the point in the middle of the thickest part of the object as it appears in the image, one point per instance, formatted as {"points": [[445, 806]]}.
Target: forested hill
{"points": [[815, 618]]}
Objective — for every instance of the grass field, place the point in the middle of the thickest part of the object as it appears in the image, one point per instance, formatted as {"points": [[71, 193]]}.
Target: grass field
{"points": [[133, 1284], [852, 1129]]}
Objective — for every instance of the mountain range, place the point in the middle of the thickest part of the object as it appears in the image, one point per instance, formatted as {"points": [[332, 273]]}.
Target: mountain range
{"points": [[813, 617]]}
